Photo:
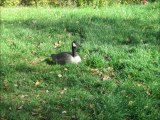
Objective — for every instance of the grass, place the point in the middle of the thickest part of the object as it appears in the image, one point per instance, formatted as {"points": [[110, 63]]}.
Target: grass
{"points": [[118, 78]]}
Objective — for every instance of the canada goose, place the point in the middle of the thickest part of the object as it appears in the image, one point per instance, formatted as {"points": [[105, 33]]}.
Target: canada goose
{"points": [[67, 57]]}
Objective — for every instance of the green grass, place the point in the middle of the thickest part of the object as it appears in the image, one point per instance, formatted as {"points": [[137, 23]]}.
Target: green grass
{"points": [[118, 78]]}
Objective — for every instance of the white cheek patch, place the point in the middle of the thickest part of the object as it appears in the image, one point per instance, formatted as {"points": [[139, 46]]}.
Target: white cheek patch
{"points": [[74, 45]]}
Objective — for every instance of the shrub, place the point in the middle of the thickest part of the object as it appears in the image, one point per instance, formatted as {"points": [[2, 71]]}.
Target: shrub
{"points": [[35, 2], [69, 2], [10, 2]]}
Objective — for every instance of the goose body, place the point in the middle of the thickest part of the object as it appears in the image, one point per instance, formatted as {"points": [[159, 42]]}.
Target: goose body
{"points": [[67, 57]]}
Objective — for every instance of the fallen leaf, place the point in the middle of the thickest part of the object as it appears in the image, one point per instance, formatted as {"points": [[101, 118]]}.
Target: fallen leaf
{"points": [[74, 117], [47, 91], [62, 91], [15, 85], [112, 74], [59, 75], [37, 83], [108, 69], [20, 107], [64, 112], [105, 77], [148, 93], [36, 60], [139, 84], [95, 71], [23, 96], [57, 44], [10, 108], [33, 52], [37, 95], [65, 69], [100, 73], [34, 113]]}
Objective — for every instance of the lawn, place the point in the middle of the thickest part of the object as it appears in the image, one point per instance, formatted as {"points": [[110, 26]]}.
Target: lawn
{"points": [[118, 78]]}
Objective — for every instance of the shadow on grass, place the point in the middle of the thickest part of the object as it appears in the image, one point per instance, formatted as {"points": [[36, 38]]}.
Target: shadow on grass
{"points": [[103, 30]]}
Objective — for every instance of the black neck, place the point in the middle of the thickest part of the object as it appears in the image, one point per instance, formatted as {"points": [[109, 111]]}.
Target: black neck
{"points": [[73, 51]]}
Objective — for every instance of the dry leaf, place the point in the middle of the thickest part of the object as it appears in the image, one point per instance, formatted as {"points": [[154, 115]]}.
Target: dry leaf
{"points": [[139, 84], [23, 96], [34, 113], [10, 108], [64, 112], [108, 69], [95, 71], [20, 107], [62, 91], [37, 95], [59, 75], [148, 93], [112, 74], [105, 77], [37, 83], [47, 91], [57, 44], [74, 117], [15, 85], [100, 73], [36, 60], [65, 69], [33, 52]]}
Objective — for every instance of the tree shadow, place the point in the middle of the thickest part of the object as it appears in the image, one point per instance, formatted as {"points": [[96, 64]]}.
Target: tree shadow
{"points": [[104, 30]]}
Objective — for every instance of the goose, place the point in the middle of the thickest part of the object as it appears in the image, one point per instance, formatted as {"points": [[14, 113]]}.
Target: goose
{"points": [[67, 57]]}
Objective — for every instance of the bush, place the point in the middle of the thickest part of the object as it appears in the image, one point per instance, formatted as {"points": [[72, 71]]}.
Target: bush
{"points": [[35, 2], [83, 2], [69, 2], [10, 2], [25, 2]]}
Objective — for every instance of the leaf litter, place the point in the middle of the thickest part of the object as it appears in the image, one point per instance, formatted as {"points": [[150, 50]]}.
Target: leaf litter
{"points": [[104, 74]]}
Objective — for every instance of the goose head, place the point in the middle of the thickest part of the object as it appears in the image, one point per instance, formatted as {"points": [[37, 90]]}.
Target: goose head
{"points": [[76, 57]]}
